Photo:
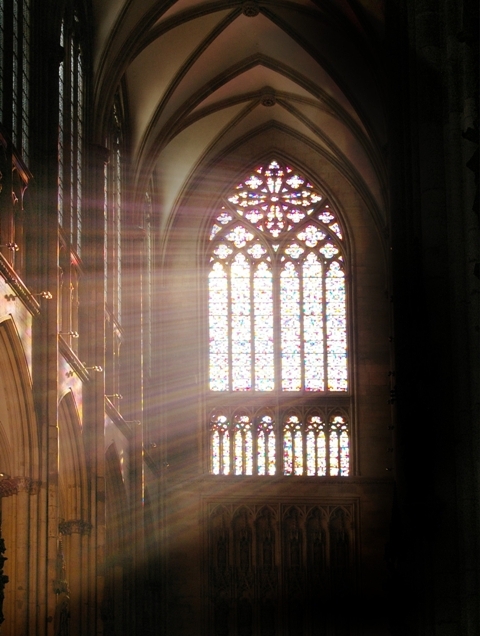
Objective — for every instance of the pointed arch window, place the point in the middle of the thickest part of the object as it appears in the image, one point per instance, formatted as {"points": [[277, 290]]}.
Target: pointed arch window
{"points": [[71, 172], [277, 298], [277, 294], [71, 81], [15, 73]]}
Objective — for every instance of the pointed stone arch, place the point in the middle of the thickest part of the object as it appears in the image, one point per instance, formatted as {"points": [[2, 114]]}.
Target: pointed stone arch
{"points": [[74, 526], [19, 491], [118, 555], [17, 413], [72, 462]]}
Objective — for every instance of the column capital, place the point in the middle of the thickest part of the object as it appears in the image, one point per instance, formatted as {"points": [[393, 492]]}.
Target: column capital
{"points": [[13, 485], [74, 526]]}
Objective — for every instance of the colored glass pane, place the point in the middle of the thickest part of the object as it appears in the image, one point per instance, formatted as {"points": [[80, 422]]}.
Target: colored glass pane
{"points": [[334, 455], [313, 324], [226, 453], [240, 324], [294, 250], [266, 464], [321, 454], [336, 228], [315, 447], [311, 453], [339, 428], [263, 326], [274, 198], [248, 452], [238, 446], [287, 452], [271, 459], [336, 328], [220, 445], [261, 452], [344, 454], [218, 327], [311, 235], [257, 251], [329, 250], [277, 319], [215, 453], [293, 446], [239, 236], [222, 251], [326, 216], [290, 328], [243, 445], [298, 452]]}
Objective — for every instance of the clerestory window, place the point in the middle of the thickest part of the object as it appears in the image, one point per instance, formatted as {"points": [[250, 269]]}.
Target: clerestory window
{"points": [[277, 329], [71, 82], [71, 171]]}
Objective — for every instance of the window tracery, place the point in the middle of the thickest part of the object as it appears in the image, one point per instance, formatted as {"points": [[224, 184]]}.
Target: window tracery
{"points": [[277, 296], [15, 73], [277, 292], [71, 95], [114, 176], [309, 442], [71, 82]]}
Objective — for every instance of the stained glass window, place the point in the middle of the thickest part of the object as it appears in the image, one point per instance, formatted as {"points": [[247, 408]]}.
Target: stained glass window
{"points": [[113, 217], [277, 297], [276, 250], [15, 71], [71, 81], [21, 76], [71, 95], [309, 442]]}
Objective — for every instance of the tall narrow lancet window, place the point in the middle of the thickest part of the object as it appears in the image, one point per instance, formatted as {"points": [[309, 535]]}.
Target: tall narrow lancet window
{"points": [[15, 82], [71, 108], [21, 77], [113, 213], [277, 297], [71, 134], [15, 73], [2, 55]]}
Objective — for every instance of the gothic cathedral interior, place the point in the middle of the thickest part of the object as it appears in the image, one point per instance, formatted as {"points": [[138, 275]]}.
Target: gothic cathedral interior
{"points": [[239, 249]]}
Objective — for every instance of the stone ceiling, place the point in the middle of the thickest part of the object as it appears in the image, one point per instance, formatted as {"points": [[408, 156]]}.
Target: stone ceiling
{"points": [[201, 78]]}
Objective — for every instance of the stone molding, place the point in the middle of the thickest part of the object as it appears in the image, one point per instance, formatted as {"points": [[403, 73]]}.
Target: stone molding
{"points": [[13, 485], [19, 288], [74, 526]]}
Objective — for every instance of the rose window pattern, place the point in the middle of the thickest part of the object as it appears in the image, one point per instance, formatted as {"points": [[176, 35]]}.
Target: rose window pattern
{"points": [[277, 308]]}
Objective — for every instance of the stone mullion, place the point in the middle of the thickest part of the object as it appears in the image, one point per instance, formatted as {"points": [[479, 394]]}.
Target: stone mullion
{"points": [[93, 351], [22, 561], [20, 499], [132, 389], [73, 532], [34, 506], [43, 245]]}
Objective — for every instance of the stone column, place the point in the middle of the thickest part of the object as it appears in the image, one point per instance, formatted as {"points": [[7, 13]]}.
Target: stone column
{"points": [[18, 531], [92, 315], [73, 530], [132, 390]]}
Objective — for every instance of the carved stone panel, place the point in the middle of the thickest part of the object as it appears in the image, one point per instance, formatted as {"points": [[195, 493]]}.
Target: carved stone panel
{"points": [[279, 568]]}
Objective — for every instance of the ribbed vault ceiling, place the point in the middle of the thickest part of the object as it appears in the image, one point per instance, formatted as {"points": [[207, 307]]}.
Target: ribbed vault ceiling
{"points": [[201, 78]]}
